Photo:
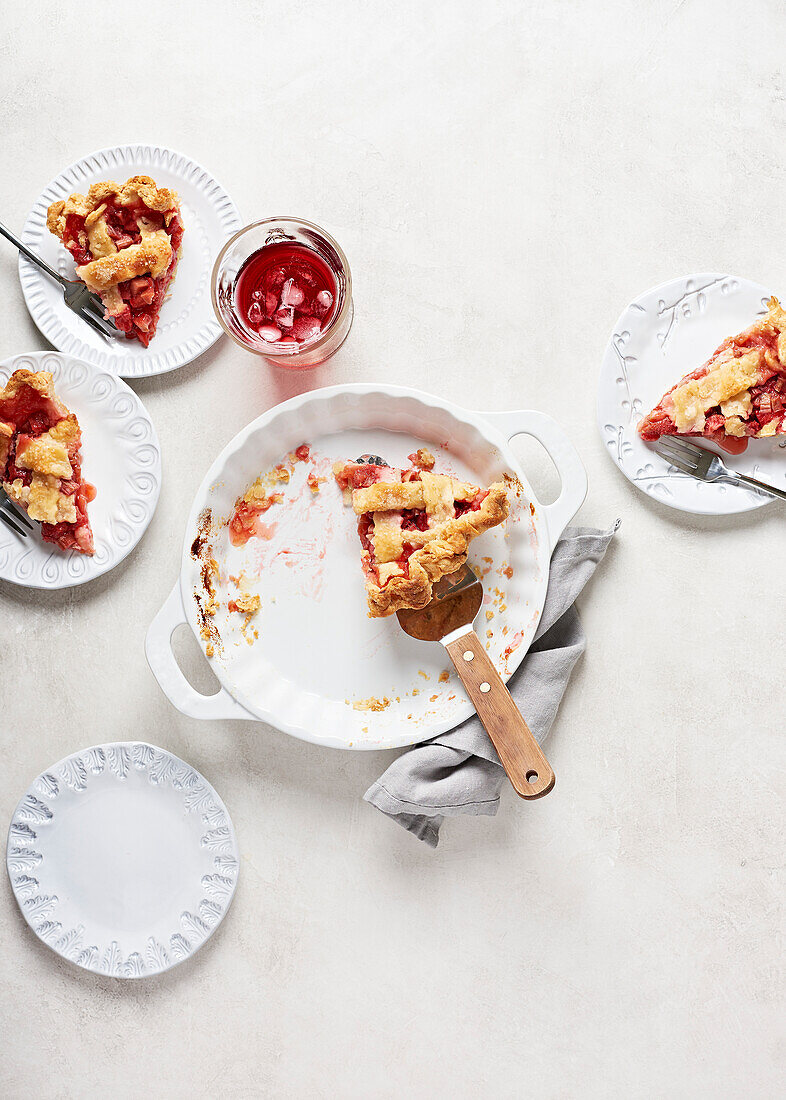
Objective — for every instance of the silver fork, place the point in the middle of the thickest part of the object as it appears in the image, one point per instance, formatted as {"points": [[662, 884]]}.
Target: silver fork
{"points": [[706, 465], [77, 297], [12, 516]]}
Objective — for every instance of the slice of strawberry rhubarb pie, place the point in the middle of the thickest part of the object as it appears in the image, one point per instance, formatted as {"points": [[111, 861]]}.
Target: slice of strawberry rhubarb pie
{"points": [[126, 242], [41, 460], [739, 393], [414, 526]]}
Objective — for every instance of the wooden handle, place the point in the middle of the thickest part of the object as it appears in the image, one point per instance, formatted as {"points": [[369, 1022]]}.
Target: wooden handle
{"points": [[527, 768]]}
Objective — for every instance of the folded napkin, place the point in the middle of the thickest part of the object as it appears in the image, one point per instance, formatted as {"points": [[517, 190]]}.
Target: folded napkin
{"points": [[459, 772]]}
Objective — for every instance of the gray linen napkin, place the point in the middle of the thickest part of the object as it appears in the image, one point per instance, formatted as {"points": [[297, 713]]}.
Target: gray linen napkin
{"points": [[459, 772]]}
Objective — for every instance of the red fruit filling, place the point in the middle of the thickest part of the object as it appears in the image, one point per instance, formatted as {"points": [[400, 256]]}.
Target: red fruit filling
{"points": [[243, 524], [142, 297], [31, 414]]}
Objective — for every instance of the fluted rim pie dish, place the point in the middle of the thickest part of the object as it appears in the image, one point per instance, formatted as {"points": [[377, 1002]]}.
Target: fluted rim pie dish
{"points": [[313, 664]]}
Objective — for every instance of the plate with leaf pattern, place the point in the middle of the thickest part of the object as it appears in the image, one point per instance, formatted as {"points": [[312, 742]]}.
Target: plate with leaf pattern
{"points": [[121, 457], [123, 859], [661, 336]]}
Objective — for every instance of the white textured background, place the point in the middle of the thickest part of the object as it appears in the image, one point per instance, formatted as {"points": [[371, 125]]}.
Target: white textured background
{"points": [[504, 177]]}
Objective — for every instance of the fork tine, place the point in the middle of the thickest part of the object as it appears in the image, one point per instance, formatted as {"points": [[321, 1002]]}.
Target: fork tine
{"points": [[94, 305], [6, 519], [678, 443], [668, 451], [106, 326], [678, 463], [101, 327], [8, 505], [669, 442]]}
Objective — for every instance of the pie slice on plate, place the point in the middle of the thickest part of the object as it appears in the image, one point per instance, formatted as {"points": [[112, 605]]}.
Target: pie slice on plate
{"points": [[41, 461], [739, 392], [126, 241], [414, 526]]}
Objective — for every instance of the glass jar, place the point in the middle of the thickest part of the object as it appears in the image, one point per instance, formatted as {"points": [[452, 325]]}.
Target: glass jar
{"points": [[299, 335]]}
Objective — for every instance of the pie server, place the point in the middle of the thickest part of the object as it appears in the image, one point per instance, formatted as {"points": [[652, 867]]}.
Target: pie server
{"points": [[456, 600], [448, 618]]}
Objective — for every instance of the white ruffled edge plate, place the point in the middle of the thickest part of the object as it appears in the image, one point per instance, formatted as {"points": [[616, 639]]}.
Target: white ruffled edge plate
{"points": [[91, 883], [121, 456], [662, 335], [188, 325]]}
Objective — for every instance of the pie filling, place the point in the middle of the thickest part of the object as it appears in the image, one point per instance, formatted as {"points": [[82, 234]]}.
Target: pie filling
{"points": [[245, 521], [739, 393], [125, 241], [414, 526], [41, 460]]}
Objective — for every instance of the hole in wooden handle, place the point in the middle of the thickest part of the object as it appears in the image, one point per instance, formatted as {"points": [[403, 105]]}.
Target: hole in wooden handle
{"points": [[532, 777]]}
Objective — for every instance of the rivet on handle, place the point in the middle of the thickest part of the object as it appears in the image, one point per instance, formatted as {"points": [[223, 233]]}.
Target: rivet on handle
{"points": [[485, 687], [468, 655]]}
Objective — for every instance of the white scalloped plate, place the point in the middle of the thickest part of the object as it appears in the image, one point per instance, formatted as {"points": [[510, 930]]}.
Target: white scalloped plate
{"points": [[120, 456], [188, 325], [123, 859], [664, 334]]}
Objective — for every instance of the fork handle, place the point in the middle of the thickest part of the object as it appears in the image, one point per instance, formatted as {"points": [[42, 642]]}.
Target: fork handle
{"points": [[527, 768], [762, 485], [12, 237]]}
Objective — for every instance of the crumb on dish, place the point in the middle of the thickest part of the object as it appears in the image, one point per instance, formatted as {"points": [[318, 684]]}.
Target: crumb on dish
{"points": [[372, 703]]}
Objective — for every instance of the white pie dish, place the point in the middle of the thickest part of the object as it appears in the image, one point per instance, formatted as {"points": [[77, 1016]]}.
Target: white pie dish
{"points": [[188, 325], [319, 658], [122, 859], [664, 334], [121, 456]]}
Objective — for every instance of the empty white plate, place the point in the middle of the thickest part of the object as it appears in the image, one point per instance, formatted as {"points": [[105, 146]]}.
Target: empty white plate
{"points": [[188, 325], [123, 859], [664, 334]]}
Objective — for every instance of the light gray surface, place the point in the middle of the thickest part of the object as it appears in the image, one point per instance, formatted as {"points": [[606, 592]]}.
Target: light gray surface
{"points": [[504, 178]]}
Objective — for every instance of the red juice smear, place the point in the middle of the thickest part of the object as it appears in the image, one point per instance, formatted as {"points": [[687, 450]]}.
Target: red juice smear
{"points": [[286, 293]]}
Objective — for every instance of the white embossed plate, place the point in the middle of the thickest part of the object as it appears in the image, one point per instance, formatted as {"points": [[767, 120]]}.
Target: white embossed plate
{"points": [[188, 325], [123, 859], [120, 456], [661, 336]]}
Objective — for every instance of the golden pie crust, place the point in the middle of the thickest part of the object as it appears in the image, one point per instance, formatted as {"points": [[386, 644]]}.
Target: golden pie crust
{"points": [[392, 583], [45, 460], [111, 265], [725, 396]]}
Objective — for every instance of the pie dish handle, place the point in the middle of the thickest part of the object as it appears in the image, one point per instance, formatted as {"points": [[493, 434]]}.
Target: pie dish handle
{"points": [[158, 650], [573, 476]]}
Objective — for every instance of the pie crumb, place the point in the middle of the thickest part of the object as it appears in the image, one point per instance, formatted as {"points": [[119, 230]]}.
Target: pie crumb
{"points": [[425, 675], [422, 459], [433, 699], [245, 602], [209, 650], [489, 616], [444, 676], [372, 703]]}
